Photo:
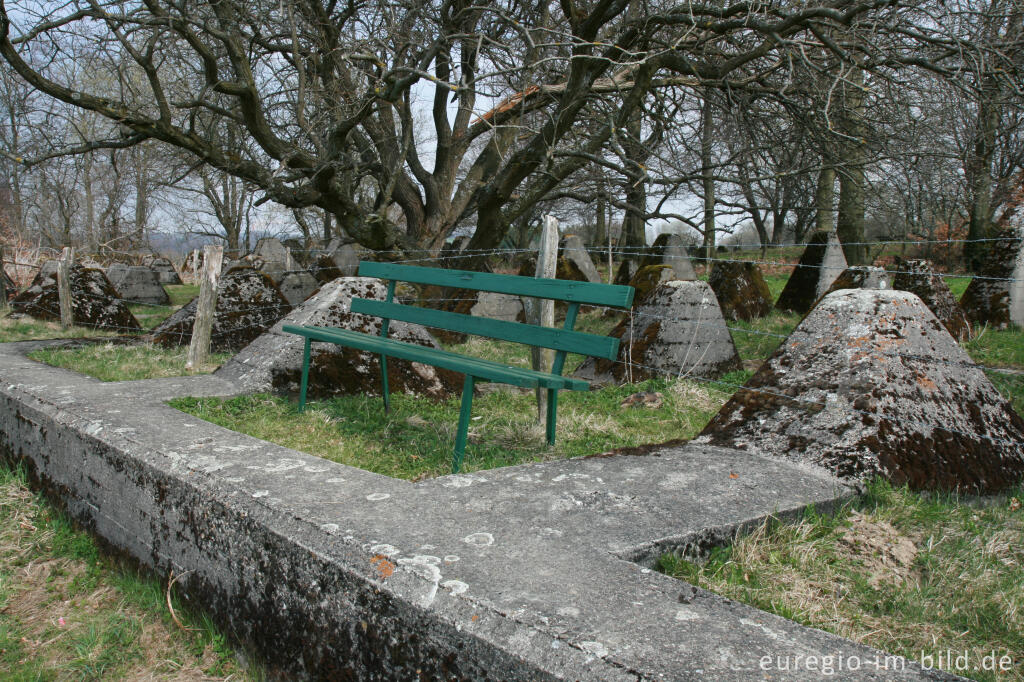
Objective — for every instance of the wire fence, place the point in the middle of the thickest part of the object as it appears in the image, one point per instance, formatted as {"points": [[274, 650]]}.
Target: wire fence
{"points": [[263, 315]]}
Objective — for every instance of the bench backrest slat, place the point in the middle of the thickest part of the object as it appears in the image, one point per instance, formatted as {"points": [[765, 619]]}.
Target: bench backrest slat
{"points": [[545, 337], [556, 289]]}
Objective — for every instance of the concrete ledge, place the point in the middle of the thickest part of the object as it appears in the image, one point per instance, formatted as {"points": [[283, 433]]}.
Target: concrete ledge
{"points": [[527, 572]]}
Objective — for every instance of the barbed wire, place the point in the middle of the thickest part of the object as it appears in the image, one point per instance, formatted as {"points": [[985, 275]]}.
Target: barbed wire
{"points": [[277, 307]]}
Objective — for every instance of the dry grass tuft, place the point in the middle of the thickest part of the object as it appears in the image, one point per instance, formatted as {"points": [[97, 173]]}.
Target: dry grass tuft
{"points": [[908, 573], [67, 612]]}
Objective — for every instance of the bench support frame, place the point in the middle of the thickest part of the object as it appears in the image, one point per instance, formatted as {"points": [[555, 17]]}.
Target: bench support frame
{"points": [[474, 370]]}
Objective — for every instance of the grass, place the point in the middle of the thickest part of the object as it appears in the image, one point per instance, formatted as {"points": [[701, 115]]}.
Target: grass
{"points": [[998, 348], [31, 329], [910, 573], [758, 339], [415, 441], [123, 362], [181, 294], [1011, 386], [67, 611]]}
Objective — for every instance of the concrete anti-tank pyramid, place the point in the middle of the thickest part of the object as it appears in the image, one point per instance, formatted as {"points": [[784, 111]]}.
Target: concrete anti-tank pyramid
{"points": [[821, 263], [871, 384]]}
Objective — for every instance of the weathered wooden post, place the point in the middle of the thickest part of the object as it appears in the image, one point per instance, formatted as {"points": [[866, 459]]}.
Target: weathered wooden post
{"points": [[543, 309], [199, 349], [67, 314], [195, 265]]}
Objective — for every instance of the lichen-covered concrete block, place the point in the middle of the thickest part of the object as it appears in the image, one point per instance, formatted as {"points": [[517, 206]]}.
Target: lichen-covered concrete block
{"points": [[574, 250], [248, 302], [297, 285], [94, 302], [137, 283], [862, 277], [625, 272], [669, 249], [871, 384], [677, 331], [741, 290], [337, 260], [821, 263], [918, 277], [274, 360], [271, 249], [164, 270], [996, 296], [649, 278]]}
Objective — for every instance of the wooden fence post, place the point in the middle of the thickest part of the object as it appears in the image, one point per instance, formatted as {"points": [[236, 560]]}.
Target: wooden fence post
{"points": [[199, 348], [543, 309], [67, 311], [195, 266]]}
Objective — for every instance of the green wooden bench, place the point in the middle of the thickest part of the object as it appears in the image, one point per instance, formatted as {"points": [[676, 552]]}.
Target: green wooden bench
{"points": [[562, 341]]}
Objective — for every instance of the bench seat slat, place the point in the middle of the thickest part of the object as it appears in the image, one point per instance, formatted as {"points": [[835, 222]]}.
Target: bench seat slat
{"points": [[546, 337], [557, 289], [482, 369]]}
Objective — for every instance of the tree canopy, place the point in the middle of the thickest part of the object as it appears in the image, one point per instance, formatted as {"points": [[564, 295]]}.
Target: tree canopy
{"points": [[404, 120]]}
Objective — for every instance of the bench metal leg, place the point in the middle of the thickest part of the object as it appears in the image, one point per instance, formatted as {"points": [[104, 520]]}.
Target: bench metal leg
{"points": [[552, 414], [384, 383], [460, 436], [305, 376]]}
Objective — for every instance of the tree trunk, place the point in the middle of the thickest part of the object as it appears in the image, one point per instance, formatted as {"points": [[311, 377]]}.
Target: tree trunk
{"points": [[824, 200], [707, 172], [979, 171], [141, 204], [633, 224], [850, 222]]}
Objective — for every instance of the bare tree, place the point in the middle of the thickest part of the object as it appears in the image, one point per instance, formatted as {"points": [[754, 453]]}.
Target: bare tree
{"points": [[330, 98]]}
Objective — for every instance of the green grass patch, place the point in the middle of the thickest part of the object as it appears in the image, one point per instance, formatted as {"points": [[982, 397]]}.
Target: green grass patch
{"points": [[416, 439], [958, 285], [757, 339], [123, 362], [1011, 386], [149, 316], [181, 294], [26, 328], [906, 572], [67, 611], [776, 283], [997, 348]]}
